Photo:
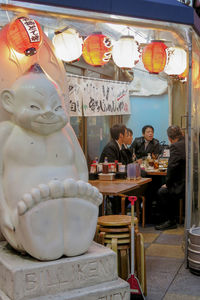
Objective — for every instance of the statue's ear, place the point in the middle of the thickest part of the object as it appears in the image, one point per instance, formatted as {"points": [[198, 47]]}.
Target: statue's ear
{"points": [[7, 99]]}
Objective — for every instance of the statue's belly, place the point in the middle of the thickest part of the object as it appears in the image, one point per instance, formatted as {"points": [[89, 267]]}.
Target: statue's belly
{"points": [[18, 180]]}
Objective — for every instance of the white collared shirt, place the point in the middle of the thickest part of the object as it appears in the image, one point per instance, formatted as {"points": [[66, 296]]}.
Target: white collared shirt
{"points": [[120, 146]]}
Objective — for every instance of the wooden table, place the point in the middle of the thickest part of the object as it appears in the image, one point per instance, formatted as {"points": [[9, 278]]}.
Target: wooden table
{"points": [[119, 187], [156, 172]]}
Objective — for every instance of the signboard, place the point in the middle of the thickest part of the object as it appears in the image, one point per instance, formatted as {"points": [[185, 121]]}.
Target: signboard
{"points": [[97, 97]]}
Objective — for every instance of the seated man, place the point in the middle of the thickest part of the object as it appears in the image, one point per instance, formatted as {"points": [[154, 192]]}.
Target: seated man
{"points": [[174, 189], [113, 149], [145, 144], [126, 151], [113, 152]]}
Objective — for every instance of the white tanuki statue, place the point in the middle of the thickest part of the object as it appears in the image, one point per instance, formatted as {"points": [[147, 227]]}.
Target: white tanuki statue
{"points": [[47, 208]]}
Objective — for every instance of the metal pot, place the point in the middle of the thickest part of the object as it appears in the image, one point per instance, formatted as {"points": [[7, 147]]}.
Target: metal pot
{"points": [[193, 246], [194, 255], [194, 235]]}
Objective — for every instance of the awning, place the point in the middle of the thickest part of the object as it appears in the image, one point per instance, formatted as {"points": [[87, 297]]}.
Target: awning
{"points": [[162, 10]]}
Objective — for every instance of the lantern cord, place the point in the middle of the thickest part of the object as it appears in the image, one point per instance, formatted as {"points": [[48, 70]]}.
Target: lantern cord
{"points": [[98, 79], [7, 12], [61, 30]]}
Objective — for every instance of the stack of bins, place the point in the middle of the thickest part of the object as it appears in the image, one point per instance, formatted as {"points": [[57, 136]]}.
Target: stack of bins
{"points": [[194, 250]]}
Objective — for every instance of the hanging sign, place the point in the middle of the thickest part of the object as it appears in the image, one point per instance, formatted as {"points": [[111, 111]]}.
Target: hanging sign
{"points": [[98, 97], [75, 95], [103, 97]]}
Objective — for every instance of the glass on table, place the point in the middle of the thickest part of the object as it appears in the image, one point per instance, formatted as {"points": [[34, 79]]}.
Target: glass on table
{"points": [[156, 164], [131, 171]]}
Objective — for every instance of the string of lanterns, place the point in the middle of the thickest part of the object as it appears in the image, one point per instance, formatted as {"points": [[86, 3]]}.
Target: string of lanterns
{"points": [[25, 36], [97, 50]]}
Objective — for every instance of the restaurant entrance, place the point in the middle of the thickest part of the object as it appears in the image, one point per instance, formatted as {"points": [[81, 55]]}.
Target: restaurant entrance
{"points": [[168, 22]]}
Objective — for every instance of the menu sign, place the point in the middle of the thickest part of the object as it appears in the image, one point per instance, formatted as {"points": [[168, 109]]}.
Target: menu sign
{"points": [[74, 98], [98, 97]]}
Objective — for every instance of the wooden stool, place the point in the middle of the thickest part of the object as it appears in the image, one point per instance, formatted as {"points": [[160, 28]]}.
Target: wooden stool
{"points": [[109, 221], [113, 231], [140, 261]]}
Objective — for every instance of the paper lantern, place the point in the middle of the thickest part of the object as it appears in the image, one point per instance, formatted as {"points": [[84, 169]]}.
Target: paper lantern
{"points": [[97, 49], [125, 52], [25, 35], [154, 57], [68, 44], [184, 74], [176, 61], [195, 72]]}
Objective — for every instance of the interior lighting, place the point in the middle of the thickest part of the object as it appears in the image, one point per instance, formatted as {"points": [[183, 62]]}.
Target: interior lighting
{"points": [[97, 49], [154, 57], [68, 44], [125, 52], [25, 35], [176, 61]]}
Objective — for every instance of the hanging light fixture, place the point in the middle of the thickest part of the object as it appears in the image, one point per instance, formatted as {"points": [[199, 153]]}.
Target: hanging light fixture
{"points": [[184, 74], [25, 35], [176, 61], [97, 49], [125, 52], [68, 44], [195, 72], [154, 57]]}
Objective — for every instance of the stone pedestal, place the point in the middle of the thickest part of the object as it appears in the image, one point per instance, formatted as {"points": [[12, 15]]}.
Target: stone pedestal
{"points": [[91, 276]]}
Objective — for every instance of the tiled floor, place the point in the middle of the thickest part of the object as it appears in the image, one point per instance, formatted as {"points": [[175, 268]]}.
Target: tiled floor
{"points": [[167, 277]]}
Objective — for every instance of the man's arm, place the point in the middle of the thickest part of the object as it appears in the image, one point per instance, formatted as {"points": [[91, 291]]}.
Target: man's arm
{"points": [[111, 152], [173, 164], [133, 147]]}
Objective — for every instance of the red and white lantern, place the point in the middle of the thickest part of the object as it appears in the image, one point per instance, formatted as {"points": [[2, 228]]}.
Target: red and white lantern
{"points": [[97, 49], [25, 35]]}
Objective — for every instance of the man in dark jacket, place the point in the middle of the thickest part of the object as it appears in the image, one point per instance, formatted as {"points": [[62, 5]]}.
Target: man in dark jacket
{"points": [[141, 146], [174, 189], [126, 151], [113, 149]]}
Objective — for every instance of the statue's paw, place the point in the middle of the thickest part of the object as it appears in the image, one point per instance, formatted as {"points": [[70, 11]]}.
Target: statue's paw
{"points": [[54, 189], [58, 219], [82, 190]]}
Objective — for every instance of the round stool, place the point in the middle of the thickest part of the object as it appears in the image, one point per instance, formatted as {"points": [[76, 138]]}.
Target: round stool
{"points": [[122, 221], [113, 231]]}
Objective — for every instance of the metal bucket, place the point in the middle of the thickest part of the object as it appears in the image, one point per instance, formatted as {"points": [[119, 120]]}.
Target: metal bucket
{"points": [[193, 246], [194, 250], [194, 235], [194, 265], [194, 255]]}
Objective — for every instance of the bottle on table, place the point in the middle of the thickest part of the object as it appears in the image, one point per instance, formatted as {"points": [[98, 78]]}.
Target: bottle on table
{"points": [[105, 165]]}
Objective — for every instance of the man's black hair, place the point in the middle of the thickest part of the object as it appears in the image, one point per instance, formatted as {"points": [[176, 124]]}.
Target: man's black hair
{"points": [[116, 129], [174, 132], [145, 127], [130, 131]]}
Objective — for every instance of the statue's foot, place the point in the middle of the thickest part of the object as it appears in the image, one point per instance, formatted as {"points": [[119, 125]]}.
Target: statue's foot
{"points": [[58, 218]]}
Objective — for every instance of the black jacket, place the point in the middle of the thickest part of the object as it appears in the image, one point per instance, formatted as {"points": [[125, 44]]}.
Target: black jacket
{"points": [[175, 179], [127, 155], [138, 147], [112, 152]]}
